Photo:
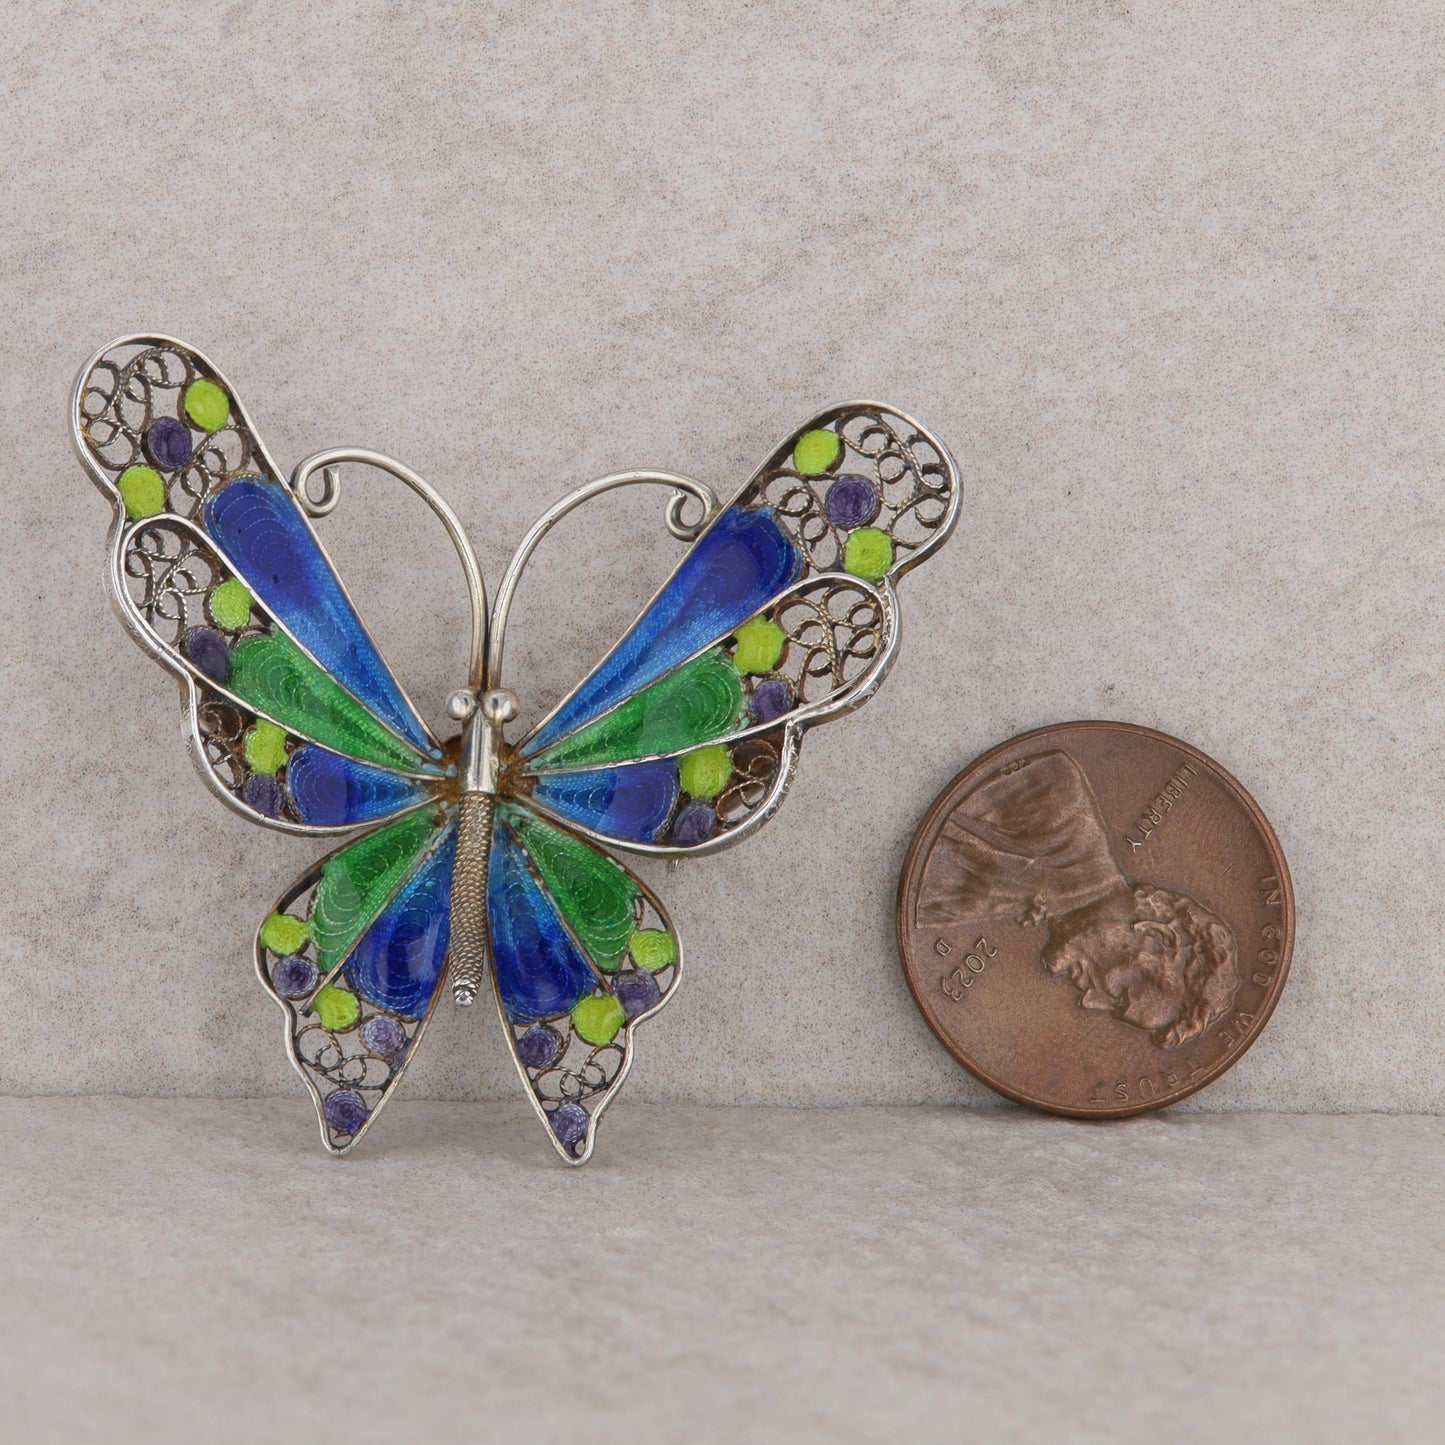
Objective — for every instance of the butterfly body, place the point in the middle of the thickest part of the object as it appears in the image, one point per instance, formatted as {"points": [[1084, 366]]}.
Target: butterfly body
{"points": [[483, 856], [480, 767]]}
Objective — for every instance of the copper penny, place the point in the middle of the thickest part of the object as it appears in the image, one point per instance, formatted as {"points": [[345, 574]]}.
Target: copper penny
{"points": [[1095, 919]]}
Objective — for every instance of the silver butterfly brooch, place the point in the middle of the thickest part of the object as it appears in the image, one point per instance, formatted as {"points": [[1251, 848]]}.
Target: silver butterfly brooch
{"points": [[481, 849]]}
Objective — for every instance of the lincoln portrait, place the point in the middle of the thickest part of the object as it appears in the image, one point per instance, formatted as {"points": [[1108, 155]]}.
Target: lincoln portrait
{"points": [[1029, 842]]}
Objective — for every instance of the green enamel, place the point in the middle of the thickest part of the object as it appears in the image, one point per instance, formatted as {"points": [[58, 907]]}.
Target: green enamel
{"points": [[760, 643], [594, 895], [276, 677], [284, 935], [705, 773], [869, 553], [265, 747], [694, 704], [207, 405], [816, 451], [142, 491], [337, 1008], [230, 605], [653, 949], [361, 880], [598, 1018]]}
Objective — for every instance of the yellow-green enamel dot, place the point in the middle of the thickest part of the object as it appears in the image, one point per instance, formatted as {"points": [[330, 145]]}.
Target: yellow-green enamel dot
{"points": [[816, 451], [230, 605], [869, 553], [760, 645], [284, 934], [704, 773], [266, 747], [142, 491], [207, 405], [598, 1017], [653, 949], [337, 1008]]}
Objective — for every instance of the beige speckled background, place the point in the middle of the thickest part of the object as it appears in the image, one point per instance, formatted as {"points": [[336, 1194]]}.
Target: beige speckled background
{"points": [[1167, 277]]}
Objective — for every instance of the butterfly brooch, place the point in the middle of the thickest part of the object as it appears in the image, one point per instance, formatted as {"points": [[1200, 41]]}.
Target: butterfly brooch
{"points": [[483, 855]]}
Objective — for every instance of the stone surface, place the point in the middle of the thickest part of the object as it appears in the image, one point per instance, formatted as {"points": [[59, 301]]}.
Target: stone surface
{"points": [[868, 553], [772, 697], [929, 1275], [337, 1008], [695, 823], [569, 1123], [295, 977], [598, 1017], [168, 443], [265, 746], [760, 643], [263, 793], [205, 647], [539, 1046], [652, 948], [346, 1111], [636, 992], [142, 491], [207, 405], [230, 604], [704, 773], [1165, 277], [815, 452], [851, 501], [284, 933], [383, 1036]]}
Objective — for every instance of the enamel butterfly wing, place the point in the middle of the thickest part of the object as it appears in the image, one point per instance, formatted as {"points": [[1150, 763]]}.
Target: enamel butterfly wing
{"points": [[482, 855]]}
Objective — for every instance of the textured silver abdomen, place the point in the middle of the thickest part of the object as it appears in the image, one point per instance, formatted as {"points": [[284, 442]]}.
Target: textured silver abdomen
{"points": [[469, 895]]}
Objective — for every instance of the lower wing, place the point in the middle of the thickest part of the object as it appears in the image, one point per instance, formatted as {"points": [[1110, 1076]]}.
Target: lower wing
{"points": [[355, 952], [582, 953]]}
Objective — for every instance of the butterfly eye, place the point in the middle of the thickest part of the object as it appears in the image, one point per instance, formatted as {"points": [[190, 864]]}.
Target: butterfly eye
{"points": [[462, 704], [500, 706]]}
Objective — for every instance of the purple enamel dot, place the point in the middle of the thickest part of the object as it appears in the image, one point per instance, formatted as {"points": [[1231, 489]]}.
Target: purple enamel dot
{"points": [[383, 1036], [539, 1046], [851, 502], [346, 1112], [569, 1123], [263, 793], [695, 824], [771, 699], [636, 992], [207, 649], [168, 444], [294, 977]]}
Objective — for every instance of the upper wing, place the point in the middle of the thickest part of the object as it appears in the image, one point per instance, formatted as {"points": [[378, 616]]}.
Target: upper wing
{"points": [[296, 720], [582, 953], [782, 615]]}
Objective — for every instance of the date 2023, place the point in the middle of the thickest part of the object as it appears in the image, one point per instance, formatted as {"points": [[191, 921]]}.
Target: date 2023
{"points": [[966, 972]]}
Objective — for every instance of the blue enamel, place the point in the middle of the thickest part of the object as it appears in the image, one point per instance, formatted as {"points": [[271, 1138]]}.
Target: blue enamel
{"points": [[630, 803], [331, 791], [258, 524], [398, 963], [734, 570], [540, 970]]}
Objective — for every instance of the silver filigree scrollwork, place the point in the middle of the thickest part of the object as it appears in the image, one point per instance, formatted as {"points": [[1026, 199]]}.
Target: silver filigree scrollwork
{"points": [[755, 763], [834, 631], [912, 479], [222, 728], [173, 574], [122, 395]]}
